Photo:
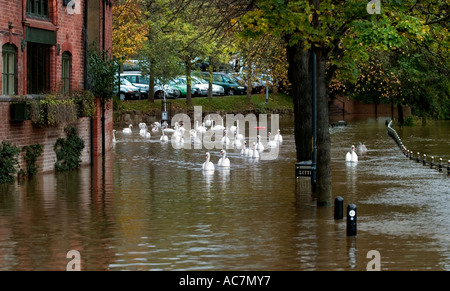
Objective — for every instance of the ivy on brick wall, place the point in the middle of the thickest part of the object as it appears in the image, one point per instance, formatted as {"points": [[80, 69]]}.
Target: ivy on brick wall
{"points": [[53, 109], [68, 150], [32, 152], [85, 102], [8, 162]]}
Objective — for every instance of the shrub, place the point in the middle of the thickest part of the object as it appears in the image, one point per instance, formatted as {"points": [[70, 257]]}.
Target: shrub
{"points": [[68, 150], [8, 162], [32, 153]]}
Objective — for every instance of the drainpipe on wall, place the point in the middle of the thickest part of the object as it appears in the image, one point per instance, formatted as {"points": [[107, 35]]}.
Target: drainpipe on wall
{"points": [[85, 72], [103, 99]]}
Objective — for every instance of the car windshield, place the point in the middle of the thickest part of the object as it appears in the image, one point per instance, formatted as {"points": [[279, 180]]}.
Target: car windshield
{"points": [[180, 81], [199, 80], [227, 78], [125, 82], [144, 80]]}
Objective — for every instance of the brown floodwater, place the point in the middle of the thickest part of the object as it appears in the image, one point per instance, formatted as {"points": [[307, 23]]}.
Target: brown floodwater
{"points": [[150, 207]]}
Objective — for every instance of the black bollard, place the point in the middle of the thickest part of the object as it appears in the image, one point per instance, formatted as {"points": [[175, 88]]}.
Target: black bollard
{"points": [[432, 162], [448, 168], [424, 162], [351, 220], [440, 164], [339, 208], [418, 157]]}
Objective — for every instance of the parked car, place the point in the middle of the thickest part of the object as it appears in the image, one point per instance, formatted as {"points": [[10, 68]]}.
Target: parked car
{"points": [[180, 85], [143, 82], [166, 89], [126, 90], [230, 85], [200, 87], [257, 84], [203, 86]]}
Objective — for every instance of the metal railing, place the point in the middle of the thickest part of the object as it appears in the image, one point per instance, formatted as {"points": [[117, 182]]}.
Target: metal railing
{"points": [[432, 163]]}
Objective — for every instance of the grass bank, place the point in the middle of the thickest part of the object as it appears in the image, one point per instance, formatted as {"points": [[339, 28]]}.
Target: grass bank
{"points": [[229, 104]]}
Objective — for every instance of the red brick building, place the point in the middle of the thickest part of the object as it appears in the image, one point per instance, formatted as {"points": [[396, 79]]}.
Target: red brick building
{"points": [[43, 43], [43, 49]]}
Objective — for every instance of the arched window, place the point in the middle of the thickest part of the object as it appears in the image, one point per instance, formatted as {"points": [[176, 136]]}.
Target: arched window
{"points": [[8, 70], [66, 71], [37, 8]]}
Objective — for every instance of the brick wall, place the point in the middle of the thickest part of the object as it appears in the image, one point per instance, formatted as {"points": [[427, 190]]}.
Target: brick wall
{"points": [[355, 107], [25, 133]]}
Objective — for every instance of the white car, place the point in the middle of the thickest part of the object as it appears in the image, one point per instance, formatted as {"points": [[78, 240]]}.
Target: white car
{"points": [[204, 86], [142, 82]]}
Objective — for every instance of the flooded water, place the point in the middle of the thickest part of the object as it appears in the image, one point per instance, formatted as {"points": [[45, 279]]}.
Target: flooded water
{"points": [[150, 207]]}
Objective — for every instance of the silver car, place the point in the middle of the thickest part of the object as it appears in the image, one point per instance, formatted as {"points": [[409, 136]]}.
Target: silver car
{"points": [[143, 82], [203, 85]]}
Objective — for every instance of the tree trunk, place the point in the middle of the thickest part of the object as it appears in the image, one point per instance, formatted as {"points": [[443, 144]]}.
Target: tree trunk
{"points": [[401, 119], [301, 90], [249, 91], [151, 89], [323, 190], [189, 84], [210, 70]]}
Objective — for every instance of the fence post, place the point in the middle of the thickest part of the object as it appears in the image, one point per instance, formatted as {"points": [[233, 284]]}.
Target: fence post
{"points": [[339, 208]]}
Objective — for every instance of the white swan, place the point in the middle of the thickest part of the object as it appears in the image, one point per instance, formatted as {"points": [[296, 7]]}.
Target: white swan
{"points": [[194, 137], [128, 129], [208, 165], [255, 152], [225, 138], [244, 150], [224, 161], [278, 137], [362, 148], [164, 137], [239, 136], [250, 151], [201, 129], [208, 122], [155, 126], [142, 127], [178, 136], [272, 143], [233, 129], [351, 156], [259, 145], [144, 131], [217, 126], [171, 130], [237, 143]]}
